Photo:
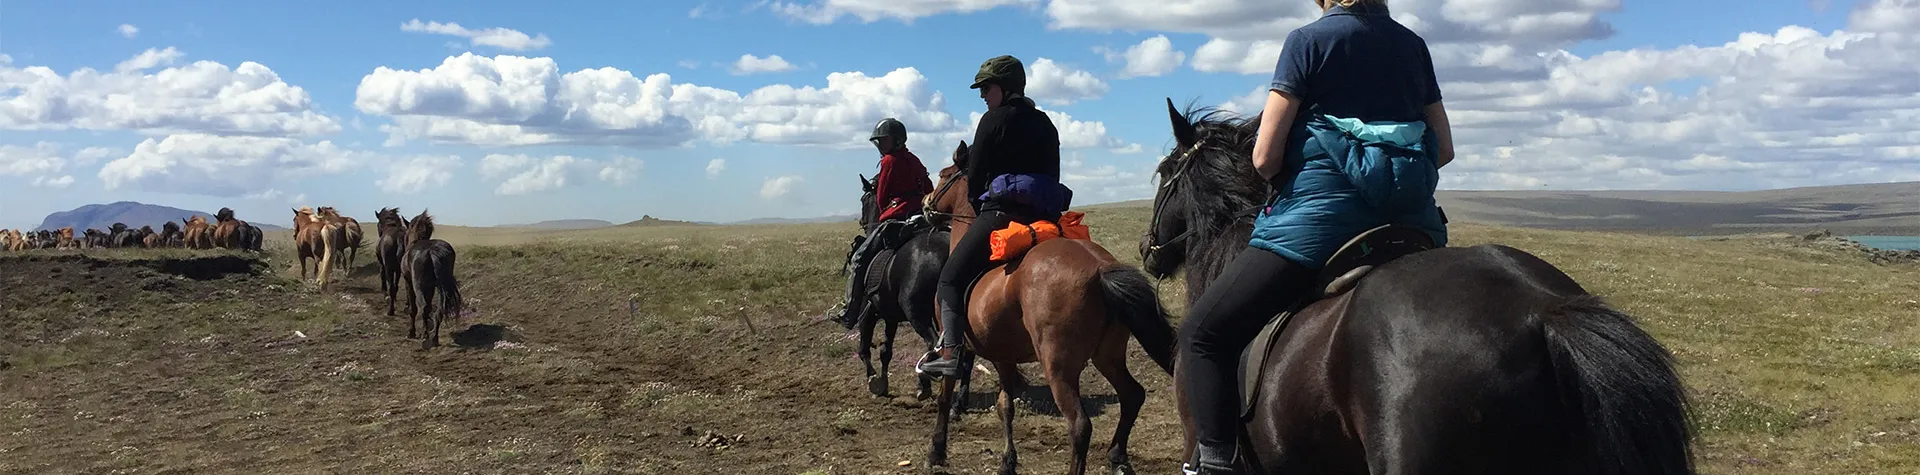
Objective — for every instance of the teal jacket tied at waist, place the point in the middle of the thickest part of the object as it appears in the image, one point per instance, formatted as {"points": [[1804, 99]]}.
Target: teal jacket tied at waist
{"points": [[1343, 177]]}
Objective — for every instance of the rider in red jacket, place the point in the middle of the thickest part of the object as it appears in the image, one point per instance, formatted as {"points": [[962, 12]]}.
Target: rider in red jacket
{"points": [[899, 192]]}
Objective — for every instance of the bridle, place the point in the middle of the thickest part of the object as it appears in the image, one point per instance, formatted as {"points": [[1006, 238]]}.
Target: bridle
{"points": [[935, 198], [1185, 162]]}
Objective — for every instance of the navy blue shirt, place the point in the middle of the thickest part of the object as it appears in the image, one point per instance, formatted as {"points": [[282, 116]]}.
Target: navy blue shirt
{"points": [[1358, 63]]}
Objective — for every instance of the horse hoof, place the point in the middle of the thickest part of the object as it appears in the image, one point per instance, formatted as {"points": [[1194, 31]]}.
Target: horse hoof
{"points": [[877, 385], [1123, 469]]}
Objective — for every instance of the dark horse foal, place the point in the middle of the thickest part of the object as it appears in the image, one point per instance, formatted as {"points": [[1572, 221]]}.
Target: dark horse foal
{"points": [[393, 243], [429, 268], [899, 287], [1474, 360]]}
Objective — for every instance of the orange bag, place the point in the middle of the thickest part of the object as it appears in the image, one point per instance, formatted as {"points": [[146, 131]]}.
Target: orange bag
{"points": [[1015, 239]]}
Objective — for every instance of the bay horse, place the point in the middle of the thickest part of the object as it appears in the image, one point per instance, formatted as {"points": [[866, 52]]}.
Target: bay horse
{"points": [[392, 245], [1063, 303], [1469, 360], [148, 238], [64, 238], [899, 287], [429, 269], [228, 233]]}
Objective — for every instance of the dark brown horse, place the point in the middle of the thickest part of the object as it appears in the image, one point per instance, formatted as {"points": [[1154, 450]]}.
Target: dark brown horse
{"points": [[392, 245], [429, 268], [1062, 304], [1474, 360]]}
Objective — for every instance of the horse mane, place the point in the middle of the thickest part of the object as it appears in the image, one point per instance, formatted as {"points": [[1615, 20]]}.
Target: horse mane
{"points": [[224, 215], [170, 228], [1220, 186], [421, 228]]}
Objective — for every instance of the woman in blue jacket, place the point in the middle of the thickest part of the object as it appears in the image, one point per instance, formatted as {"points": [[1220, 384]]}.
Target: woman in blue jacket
{"points": [[1352, 137]]}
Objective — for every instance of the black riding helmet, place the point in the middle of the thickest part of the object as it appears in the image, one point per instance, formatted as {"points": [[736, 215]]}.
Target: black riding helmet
{"points": [[889, 127]]}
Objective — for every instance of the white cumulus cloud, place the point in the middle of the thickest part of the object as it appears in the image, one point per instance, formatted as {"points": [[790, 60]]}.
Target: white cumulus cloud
{"points": [[201, 97], [128, 30], [511, 100], [521, 174], [750, 64], [416, 174], [776, 188], [868, 11], [48, 182], [224, 166], [1053, 84], [715, 167], [503, 38], [1154, 56]]}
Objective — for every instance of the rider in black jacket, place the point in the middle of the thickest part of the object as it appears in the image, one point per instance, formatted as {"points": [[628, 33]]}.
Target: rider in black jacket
{"points": [[1014, 138]]}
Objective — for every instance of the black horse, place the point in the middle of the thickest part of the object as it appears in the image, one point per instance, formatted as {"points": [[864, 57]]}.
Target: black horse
{"points": [[393, 237], [429, 268], [1481, 360], [898, 287]]}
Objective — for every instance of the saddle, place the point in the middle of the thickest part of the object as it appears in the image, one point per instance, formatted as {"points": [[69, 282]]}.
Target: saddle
{"points": [[890, 236], [1342, 272]]}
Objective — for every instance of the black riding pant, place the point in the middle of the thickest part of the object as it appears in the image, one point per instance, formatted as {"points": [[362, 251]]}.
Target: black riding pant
{"points": [[1255, 287], [970, 258]]}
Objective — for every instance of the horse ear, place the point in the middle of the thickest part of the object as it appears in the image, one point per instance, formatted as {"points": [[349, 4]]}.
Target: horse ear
{"points": [[864, 183], [961, 155], [1182, 129]]}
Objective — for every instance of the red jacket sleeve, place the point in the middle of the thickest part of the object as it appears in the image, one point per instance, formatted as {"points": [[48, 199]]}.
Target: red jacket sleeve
{"points": [[901, 184]]}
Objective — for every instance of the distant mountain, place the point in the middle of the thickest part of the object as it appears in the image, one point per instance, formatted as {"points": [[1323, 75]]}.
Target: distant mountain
{"points": [[133, 214], [562, 224], [822, 219], [649, 220]]}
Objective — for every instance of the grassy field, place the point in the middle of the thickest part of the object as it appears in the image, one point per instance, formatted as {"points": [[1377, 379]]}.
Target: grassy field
{"points": [[668, 349]]}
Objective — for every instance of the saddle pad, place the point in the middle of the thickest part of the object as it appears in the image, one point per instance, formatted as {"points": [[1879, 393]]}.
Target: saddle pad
{"points": [[877, 272]]}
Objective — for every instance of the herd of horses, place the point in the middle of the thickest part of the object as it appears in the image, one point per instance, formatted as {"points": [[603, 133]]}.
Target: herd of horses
{"points": [[1414, 360], [407, 253], [193, 232]]}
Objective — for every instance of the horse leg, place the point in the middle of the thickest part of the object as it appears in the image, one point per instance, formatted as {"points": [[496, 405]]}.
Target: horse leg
{"points": [[1012, 384], [1064, 378], [937, 455], [966, 383], [886, 357], [867, 322], [1113, 365]]}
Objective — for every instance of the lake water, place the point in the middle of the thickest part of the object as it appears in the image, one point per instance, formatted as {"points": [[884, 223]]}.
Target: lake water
{"points": [[1891, 243]]}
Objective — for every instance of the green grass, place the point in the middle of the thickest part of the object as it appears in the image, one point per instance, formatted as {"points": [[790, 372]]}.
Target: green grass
{"points": [[1799, 359]]}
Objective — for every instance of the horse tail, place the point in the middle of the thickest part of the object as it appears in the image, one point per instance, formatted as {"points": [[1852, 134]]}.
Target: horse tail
{"points": [[451, 303], [1131, 296], [326, 255], [1623, 388]]}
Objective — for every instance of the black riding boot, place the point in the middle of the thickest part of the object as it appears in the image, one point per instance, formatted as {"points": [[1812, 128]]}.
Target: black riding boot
{"points": [[852, 301], [967, 261]]}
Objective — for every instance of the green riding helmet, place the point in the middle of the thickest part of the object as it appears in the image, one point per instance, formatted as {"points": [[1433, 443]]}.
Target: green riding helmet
{"points": [[889, 127], [1003, 70]]}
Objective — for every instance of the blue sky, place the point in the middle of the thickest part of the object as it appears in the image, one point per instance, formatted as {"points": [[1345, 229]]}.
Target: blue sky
{"points": [[266, 106]]}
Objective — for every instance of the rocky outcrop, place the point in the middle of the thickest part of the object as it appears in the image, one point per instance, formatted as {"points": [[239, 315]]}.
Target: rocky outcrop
{"points": [[1825, 238]]}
